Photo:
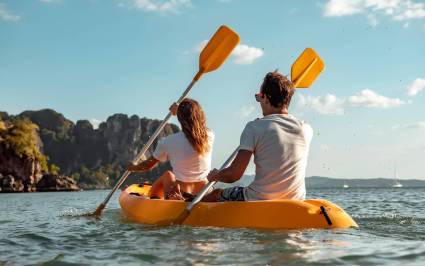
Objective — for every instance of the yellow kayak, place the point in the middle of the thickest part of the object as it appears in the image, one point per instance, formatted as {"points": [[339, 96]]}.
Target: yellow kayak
{"points": [[273, 214]]}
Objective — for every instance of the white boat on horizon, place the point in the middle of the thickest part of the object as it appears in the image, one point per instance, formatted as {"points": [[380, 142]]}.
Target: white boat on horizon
{"points": [[396, 183], [345, 185]]}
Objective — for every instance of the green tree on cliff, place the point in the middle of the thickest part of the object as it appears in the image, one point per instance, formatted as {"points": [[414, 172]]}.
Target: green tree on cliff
{"points": [[21, 138]]}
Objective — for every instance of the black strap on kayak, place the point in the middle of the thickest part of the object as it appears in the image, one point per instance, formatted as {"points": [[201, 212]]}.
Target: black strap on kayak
{"points": [[323, 211], [142, 184]]}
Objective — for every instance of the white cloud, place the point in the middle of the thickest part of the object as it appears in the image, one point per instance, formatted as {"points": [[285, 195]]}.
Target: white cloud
{"points": [[399, 10], [338, 8], [172, 6], [418, 125], [369, 99], [242, 54], [245, 111], [416, 86], [412, 10], [245, 55], [330, 104], [95, 122], [5, 15]]}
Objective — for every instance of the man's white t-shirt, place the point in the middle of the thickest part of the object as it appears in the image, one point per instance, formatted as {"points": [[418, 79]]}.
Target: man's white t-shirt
{"points": [[188, 165], [280, 143]]}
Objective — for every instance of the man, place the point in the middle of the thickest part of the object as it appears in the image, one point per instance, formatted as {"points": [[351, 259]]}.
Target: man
{"points": [[280, 144]]}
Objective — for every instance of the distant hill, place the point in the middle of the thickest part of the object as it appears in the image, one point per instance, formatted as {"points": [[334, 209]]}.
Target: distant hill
{"points": [[326, 182]]}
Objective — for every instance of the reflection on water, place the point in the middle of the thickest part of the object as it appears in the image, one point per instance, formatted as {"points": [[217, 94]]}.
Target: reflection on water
{"points": [[296, 245]]}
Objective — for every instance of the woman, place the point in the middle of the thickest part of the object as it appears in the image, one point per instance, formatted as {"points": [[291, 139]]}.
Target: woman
{"points": [[189, 153]]}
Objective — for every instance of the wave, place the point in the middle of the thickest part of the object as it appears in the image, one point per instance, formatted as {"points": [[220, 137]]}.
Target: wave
{"points": [[390, 218]]}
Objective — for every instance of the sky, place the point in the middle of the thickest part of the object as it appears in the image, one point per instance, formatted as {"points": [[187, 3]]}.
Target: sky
{"points": [[90, 59]]}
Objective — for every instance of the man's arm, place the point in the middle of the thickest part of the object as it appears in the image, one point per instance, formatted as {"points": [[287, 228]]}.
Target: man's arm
{"points": [[235, 171], [144, 166]]}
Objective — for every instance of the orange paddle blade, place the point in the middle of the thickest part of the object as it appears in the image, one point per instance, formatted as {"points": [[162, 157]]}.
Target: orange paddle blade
{"points": [[306, 69], [217, 50]]}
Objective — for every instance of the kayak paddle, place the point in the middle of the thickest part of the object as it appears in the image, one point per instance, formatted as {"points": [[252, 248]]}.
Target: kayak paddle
{"points": [[304, 72], [306, 69], [212, 57], [198, 197]]}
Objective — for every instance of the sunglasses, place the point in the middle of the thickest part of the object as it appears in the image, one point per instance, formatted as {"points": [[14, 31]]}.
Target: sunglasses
{"points": [[258, 97]]}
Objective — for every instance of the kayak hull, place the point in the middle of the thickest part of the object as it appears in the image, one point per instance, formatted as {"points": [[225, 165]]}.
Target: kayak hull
{"points": [[273, 214]]}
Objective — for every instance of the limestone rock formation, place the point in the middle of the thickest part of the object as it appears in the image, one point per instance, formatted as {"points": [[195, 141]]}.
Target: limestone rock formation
{"points": [[95, 157], [9, 184], [22, 166], [52, 182], [21, 174]]}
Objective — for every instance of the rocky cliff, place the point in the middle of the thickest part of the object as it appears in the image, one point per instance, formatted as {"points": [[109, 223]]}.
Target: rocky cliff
{"points": [[95, 158], [23, 168]]}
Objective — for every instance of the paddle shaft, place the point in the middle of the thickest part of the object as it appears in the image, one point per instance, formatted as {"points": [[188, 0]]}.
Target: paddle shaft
{"points": [[210, 184], [149, 143]]}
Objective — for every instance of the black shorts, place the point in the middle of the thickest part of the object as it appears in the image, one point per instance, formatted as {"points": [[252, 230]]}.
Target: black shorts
{"points": [[232, 194]]}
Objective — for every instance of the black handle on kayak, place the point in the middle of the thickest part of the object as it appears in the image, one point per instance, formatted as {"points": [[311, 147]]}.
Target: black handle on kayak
{"points": [[323, 211]]}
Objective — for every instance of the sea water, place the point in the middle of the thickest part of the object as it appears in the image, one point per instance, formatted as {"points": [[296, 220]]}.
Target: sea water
{"points": [[41, 228]]}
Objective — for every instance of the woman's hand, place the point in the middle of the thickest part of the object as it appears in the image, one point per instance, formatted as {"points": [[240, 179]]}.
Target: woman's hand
{"points": [[131, 166], [173, 108], [213, 175]]}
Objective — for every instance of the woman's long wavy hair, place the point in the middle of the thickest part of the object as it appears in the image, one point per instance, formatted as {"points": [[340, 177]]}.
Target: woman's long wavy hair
{"points": [[193, 122]]}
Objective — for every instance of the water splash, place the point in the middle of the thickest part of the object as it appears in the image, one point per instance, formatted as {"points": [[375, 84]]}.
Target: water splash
{"points": [[71, 212]]}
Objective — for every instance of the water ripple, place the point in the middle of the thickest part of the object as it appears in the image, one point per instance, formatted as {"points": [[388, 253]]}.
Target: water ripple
{"points": [[391, 232]]}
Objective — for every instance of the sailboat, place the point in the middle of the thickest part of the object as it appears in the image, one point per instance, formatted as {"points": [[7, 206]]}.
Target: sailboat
{"points": [[345, 185], [395, 182]]}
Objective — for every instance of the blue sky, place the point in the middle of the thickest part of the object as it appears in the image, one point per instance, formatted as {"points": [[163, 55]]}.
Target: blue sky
{"points": [[89, 59]]}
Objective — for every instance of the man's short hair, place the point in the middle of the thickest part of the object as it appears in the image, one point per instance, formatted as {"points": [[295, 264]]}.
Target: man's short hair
{"points": [[278, 89]]}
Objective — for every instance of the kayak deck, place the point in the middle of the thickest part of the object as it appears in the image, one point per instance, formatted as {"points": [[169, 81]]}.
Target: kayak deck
{"points": [[273, 214]]}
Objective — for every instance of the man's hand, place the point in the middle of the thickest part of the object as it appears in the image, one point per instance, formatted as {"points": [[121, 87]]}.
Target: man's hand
{"points": [[213, 175], [173, 108], [131, 166]]}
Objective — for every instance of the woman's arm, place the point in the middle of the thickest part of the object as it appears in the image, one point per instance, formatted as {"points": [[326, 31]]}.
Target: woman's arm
{"points": [[235, 171], [144, 166]]}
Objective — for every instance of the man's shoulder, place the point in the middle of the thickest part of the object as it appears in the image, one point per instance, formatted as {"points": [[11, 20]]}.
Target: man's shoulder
{"points": [[288, 120], [253, 125]]}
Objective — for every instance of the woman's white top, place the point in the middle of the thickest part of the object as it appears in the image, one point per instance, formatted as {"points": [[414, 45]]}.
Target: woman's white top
{"points": [[188, 165]]}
